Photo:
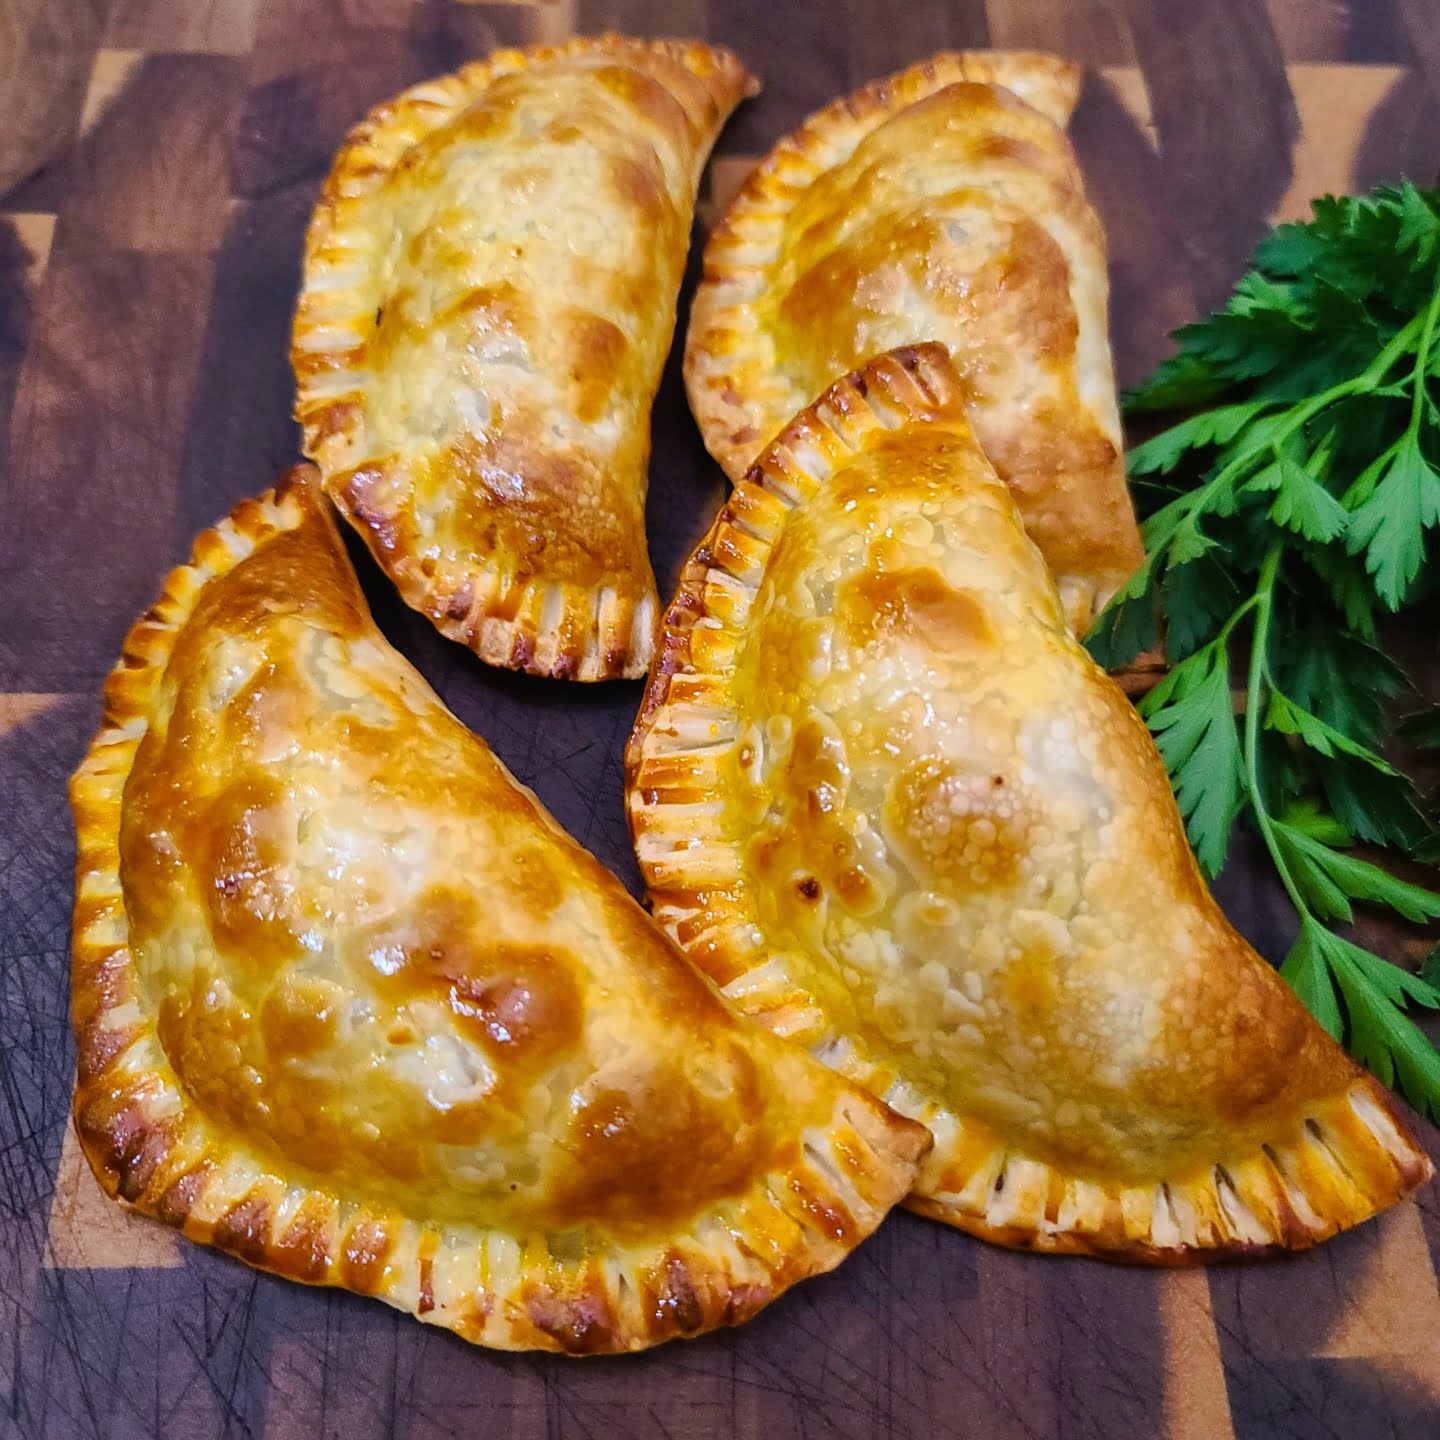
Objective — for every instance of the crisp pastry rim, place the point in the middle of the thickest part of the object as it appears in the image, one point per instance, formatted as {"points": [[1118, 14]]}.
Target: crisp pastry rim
{"points": [[147, 1145], [724, 335], [1351, 1154], [545, 627]]}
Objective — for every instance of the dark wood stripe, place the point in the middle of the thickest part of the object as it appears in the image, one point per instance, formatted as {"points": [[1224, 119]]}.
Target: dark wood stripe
{"points": [[1223, 176], [316, 74], [48, 51], [687, 18], [96, 435], [1377, 32], [914, 32], [153, 169], [1311, 30], [801, 53], [1091, 31], [1077, 1346], [238, 434], [16, 320], [1400, 136], [1150, 293]]}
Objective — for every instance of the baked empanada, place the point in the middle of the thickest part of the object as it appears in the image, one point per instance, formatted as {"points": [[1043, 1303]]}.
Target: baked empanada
{"points": [[349, 1004], [887, 801], [489, 295], [941, 204]]}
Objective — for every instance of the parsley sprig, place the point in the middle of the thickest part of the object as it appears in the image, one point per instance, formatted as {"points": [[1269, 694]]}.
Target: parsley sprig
{"points": [[1285, 519]]}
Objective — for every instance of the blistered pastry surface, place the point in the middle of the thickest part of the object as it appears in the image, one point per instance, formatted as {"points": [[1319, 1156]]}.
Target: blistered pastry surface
{"points": [[882, 794], [954, 828], [937, 205], [489, 296], [336, 970]]}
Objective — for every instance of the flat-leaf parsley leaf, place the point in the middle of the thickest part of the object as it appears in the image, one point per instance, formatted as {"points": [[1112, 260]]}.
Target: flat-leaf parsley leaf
{"points": [[1285, 518]]}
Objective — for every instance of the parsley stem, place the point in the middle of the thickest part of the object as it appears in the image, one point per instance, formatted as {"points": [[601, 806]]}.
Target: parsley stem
{"points": [[1240, 612], [1263, 600], [1422, 358], [1183, 506], [1381, 365]]}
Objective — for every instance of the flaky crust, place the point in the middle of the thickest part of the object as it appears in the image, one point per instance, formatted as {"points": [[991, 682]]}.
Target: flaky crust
{"points": [[350, 1005], [943, 203], [883, 797], [488, 298]]}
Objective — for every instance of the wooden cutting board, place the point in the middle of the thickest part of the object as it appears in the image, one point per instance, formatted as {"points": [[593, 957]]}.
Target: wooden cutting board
{"points": [[146, 278]]}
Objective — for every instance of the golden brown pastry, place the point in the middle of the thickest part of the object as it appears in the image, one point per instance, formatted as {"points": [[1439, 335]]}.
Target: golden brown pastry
{"points": [[941, 204], [887, 801], [489, 295], [349, 1004]]}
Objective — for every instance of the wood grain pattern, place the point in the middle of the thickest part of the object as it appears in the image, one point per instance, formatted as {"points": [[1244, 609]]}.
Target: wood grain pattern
{"points": [[204, 27], [45, 55], [1094, 32], [94, 455], [151, 171], [146, 277], [89, 1231]]}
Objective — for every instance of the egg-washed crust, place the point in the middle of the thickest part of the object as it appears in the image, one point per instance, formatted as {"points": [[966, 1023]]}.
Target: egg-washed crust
{"points": [[597, 622], [724, 335], [1027, 327], [150, 1145], [1344, 1159], [725, 349]]}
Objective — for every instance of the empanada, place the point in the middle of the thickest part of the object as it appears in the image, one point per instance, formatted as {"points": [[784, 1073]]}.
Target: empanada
{"points": [[886, 800], [349, 1004], [941, 204], [489, 295]]}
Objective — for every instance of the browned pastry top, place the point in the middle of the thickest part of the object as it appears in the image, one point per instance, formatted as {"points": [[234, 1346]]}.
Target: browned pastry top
{"points": [[350, 1003], [941, 204], [489, 295], [883, 796]]}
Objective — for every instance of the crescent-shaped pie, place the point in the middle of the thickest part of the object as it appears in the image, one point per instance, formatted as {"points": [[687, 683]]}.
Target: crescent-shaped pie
{"points": [[488, 298], [883, 796], [941, 204], [349, 1004]]}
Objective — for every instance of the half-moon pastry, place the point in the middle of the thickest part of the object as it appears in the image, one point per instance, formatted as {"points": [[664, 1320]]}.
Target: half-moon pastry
{"points": [[489, 295], [883, 796], [349, 1004], [941, 204]]}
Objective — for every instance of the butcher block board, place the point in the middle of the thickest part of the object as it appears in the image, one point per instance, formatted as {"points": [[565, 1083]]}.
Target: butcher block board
{"points": [[146, 279]]}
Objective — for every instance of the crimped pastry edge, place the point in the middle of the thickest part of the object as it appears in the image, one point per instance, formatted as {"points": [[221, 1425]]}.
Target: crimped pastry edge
{"points": [[148, 1145], [1349, 1157], [560, 630], [743, 242]]}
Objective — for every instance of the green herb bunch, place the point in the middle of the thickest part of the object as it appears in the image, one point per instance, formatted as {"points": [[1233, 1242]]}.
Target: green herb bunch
{"points": [[1285, 518]]}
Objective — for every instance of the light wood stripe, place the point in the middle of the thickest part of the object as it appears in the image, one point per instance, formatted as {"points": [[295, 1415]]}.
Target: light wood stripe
{"points": [[556, 22], [1392, 1306], [15, 710], [1090, 31], [89, 1231], [111, 70], [194, 27], [1335, 104], [36, 233], [1197, 1406]]}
